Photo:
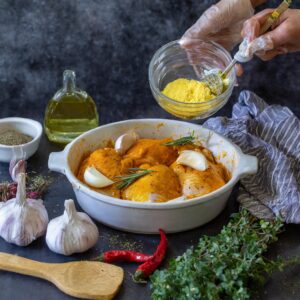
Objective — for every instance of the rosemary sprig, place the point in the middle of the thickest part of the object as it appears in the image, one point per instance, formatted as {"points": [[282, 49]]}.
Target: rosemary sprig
{"points": [[182, 141], [134, 174]]}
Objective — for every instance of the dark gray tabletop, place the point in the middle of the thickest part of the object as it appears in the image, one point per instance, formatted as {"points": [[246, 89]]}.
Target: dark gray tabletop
{"points": [[109, 44]]}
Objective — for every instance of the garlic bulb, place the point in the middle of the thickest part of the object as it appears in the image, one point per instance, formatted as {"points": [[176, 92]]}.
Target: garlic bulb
{"points": [[193, 159], [22, 220], [125, 141], [73, 232], [95, 178]]}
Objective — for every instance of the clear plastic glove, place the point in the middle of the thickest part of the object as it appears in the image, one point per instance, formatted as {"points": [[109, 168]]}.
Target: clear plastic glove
{"points": [[247, 49], [221, 23], [283, 38]]}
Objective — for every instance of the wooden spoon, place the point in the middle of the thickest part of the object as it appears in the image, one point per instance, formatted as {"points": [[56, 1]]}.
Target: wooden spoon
{"points": [[82, 279]]}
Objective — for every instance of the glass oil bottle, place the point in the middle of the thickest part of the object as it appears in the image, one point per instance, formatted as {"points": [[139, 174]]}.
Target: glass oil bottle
{"points": [[70, 112]]}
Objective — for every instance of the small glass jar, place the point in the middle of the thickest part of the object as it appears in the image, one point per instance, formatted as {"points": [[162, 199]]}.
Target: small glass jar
{"points": [[70, 112]]}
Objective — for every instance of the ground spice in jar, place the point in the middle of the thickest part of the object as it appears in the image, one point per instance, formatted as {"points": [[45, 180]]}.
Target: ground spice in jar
{"points": [[12, 137]]}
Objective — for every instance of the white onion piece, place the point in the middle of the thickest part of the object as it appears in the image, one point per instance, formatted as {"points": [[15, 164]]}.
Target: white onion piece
{"points": [[96, 179], [125, 141], [193, 159]]}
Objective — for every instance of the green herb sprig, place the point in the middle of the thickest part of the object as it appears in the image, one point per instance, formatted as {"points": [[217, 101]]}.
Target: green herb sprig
{"points": [[221, 266], [182, 141], [134, 174]]}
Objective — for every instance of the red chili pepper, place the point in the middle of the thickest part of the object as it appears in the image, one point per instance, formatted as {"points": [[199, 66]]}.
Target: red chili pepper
{"points": [[148, 267], [124, 255]]}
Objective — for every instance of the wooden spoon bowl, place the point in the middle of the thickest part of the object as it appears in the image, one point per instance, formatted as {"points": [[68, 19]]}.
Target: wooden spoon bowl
{"points": [[81, 279]]}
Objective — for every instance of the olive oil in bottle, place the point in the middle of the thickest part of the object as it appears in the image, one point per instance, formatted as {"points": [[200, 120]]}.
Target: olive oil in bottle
{"points": [[70, 112]]}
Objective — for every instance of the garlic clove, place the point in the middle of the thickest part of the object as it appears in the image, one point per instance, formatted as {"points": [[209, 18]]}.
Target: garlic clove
{"points": [[193, 159], [95, 178], [16, 167], [22, 220], [125, 141], [72, 232], [17, 164]]}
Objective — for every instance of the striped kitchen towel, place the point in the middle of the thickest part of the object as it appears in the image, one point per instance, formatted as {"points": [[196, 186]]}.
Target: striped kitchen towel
{"points": [[272, 133]]}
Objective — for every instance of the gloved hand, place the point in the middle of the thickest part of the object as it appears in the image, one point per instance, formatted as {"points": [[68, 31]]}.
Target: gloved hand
{"points": [[221, 23], [283, 38]]}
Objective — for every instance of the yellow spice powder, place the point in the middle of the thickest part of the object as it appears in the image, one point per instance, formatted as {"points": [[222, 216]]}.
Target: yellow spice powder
{"points": [[188, 91]]}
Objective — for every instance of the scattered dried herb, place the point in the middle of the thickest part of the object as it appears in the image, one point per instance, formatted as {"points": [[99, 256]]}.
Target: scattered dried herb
{"points": [[8, 190], [35, 188], [222, 266], [182, 141], [12, 137], [134, 174], [120, 241]]}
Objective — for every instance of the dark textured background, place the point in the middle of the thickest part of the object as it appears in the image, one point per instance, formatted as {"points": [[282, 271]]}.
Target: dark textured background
{"points": [[109, 44]]}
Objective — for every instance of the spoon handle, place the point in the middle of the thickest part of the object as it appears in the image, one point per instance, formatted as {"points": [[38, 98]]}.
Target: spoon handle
{"points": [[21, 265], [228, 68], [274, 16]]}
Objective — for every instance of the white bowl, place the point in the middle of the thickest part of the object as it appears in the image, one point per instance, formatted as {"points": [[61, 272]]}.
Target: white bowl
{"points": [[172, 216], [26, 126]]}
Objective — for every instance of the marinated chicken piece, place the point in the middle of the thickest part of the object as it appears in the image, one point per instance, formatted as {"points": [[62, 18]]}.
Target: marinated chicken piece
{"points": [[189, 146], [152, 151], [82, 168], [111, 191], [159, 186], [197, 183], [109, 162], [208, 155]]}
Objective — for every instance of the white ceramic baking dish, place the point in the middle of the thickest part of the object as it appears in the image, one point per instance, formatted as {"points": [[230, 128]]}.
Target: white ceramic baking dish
{"points": [[147, 217]]}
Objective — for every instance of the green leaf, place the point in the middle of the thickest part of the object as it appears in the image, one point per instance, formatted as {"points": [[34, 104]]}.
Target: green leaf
{"points": [[134, 174], [182, 141], [221, 266]]}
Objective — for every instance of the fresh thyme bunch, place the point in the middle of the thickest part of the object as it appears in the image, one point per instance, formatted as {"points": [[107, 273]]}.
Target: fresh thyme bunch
{"points": [[221, 266]]}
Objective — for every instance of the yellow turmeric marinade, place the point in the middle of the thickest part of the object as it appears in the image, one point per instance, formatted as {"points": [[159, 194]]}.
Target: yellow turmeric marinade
{"points": [[188, 91]]}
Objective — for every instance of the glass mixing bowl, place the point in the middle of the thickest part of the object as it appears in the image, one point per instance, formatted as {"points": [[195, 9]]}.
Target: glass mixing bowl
{"points": [[172, 61]]}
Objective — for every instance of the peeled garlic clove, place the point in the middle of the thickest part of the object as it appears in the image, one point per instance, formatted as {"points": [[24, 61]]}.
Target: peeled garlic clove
{"points": [[22, 220], [96, 179], [193, 159], [125, 141], [73, 232]]}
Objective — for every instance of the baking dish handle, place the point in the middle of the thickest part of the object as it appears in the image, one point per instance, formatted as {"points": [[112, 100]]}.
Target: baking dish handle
{"points": [[57, 162], [248, 165]]}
